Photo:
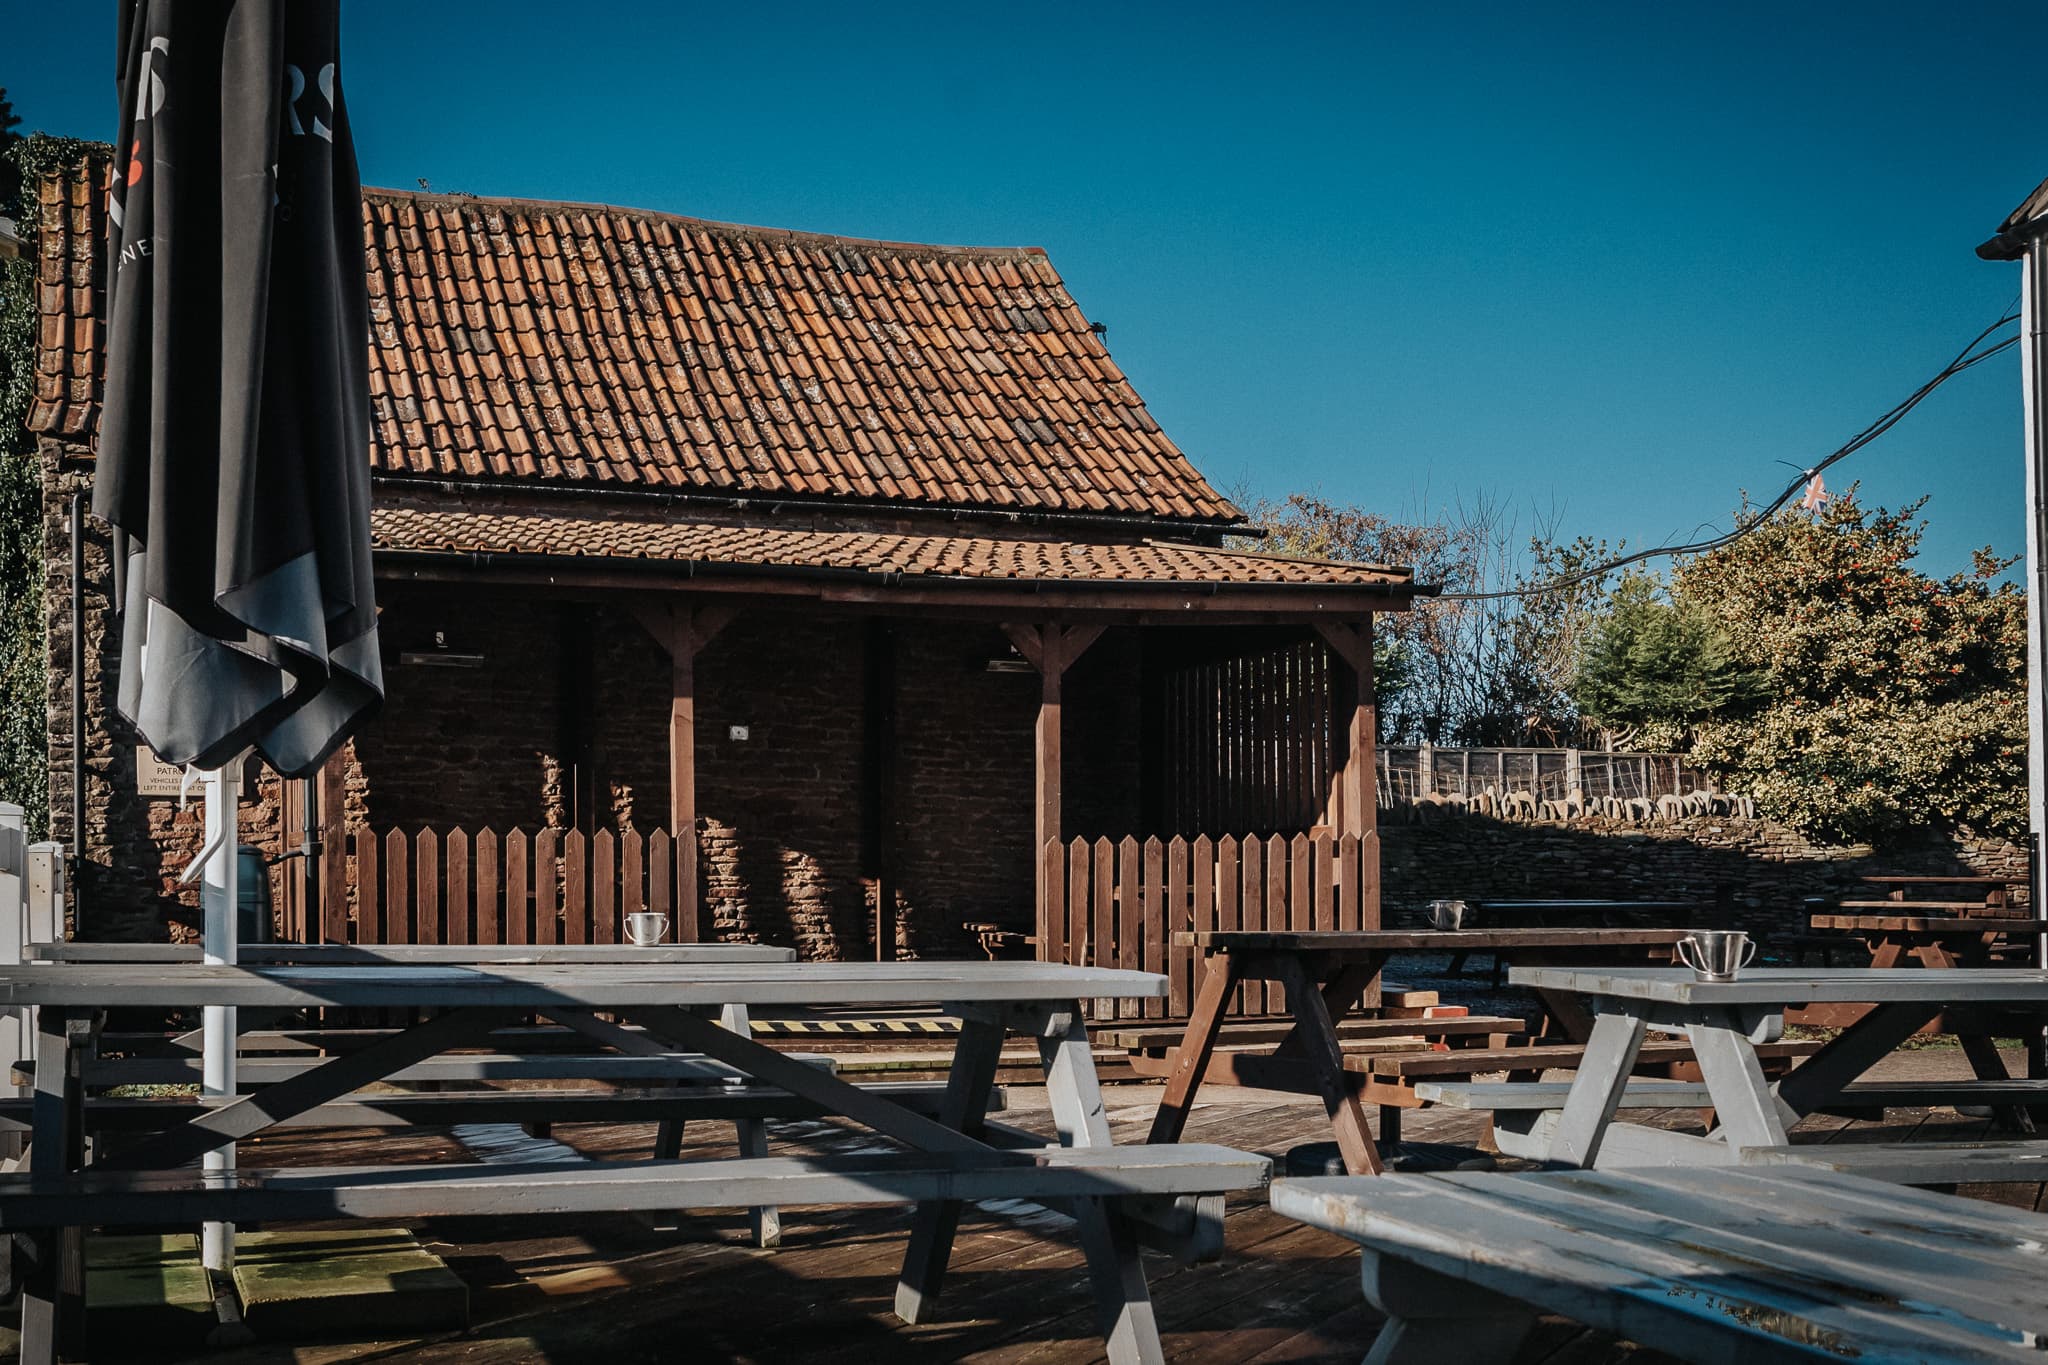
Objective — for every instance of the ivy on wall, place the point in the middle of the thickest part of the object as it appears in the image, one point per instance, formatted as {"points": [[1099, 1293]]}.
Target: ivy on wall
{"points": [[24, 661]]}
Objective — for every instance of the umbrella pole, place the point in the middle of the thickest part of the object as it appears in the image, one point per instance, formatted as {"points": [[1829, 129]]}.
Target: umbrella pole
{"points": [[2034, 375], [220, 899]]}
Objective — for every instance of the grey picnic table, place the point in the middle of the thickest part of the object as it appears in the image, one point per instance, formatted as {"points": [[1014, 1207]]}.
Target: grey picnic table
{"points": [[1711, 1264], [1119, 1197], [1726, 1021]]}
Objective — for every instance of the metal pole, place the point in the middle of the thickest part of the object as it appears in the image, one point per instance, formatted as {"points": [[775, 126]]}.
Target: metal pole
{"points": [[219, 898], [2033, 309]]}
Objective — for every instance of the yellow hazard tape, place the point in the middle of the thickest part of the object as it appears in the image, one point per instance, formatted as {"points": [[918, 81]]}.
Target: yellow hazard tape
{"points": [[817, 1026]]}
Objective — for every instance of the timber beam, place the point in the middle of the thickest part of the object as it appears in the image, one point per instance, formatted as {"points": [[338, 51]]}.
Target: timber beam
{"points": [[1050, 648], [683, 630], [1354, 739]]}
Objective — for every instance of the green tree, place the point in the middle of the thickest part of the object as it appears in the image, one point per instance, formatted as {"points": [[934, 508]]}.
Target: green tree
{"points": [[1407, 646], [24, 752], [1461, 667], [1653, 669], [1886, 699], [10, 173], [24, 742]]}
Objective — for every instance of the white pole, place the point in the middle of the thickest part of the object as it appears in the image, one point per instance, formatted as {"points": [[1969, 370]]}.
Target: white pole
{"points": [[219, 898], [2032, 363]]}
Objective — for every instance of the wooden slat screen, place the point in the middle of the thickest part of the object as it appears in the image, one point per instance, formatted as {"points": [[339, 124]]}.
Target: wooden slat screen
{"points": [[425, 886], [1120, 905], [1246, 740]]}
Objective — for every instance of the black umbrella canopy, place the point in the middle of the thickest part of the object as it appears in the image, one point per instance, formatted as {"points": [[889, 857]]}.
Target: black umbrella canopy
{"points": [[233, 457]]}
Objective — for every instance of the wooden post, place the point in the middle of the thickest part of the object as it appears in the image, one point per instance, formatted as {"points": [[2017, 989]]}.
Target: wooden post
{"points": [[682, 776], [1357, 719], [683, 630], [1051, 649], [292, 828], [332, 855], [878, 781]]}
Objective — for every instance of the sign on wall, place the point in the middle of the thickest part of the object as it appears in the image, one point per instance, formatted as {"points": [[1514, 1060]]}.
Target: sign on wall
{"points": [[154, 777]]}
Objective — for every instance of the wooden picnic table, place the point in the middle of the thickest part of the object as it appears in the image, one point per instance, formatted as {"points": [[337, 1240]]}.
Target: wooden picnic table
{"points": [[1579, 913], [1897, 939], [1997, 890], [1328, 976], [1582, 913], [1115, 1194], [1726, 1022]]}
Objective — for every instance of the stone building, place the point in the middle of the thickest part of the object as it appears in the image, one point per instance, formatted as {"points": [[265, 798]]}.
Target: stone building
{"points": [[861, 562]]}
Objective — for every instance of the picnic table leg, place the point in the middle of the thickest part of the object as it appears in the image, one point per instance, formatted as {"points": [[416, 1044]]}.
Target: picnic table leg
{"points": [[1432, 1319], [1130, 1331], [1849, 1054], [1987, 1065], [1610, 1056], [1745, 1110], [1980, 1049], [975, 1058], [1197, 1045], [52, 1257], [1343, 991], [1318, 1035], [765, 1221]]}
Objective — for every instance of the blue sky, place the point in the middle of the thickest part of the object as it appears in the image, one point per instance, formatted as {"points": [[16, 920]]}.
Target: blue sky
{"points": [[1603, 264]]}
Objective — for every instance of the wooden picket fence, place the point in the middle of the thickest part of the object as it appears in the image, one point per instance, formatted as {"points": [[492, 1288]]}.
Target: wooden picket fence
{"points": [[1120, 904], [550, 886]]}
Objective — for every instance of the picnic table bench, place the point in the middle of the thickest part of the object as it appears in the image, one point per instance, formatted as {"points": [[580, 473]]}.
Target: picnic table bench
{"points": [[1734, 1265], [1120, 1198]]}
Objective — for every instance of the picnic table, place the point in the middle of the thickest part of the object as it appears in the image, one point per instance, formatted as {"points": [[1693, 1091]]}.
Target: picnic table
{"points": [[1707, 1264], [1996, 892], [1327, 977], [1581, 913], [1119, 1197], [1897, 936], [1726, 1023]]}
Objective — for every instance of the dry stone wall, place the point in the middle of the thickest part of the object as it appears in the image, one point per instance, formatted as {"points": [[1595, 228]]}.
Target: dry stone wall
{"points": [[1766, 868]]}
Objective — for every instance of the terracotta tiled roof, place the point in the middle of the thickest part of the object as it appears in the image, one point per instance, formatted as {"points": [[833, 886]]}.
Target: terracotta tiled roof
{"points": [[72, 222], [598, 536], [579, 344]]}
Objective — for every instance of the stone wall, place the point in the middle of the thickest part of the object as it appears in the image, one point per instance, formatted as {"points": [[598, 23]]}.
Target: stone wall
{"points": [[1766, 867], [135, 846]]}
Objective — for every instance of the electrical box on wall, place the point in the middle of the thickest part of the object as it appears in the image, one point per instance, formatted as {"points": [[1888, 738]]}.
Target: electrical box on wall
{"points": [[737, 733]]}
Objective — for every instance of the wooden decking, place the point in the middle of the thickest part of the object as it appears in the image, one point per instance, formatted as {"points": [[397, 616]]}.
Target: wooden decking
{"points": [[614, 1291]]}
